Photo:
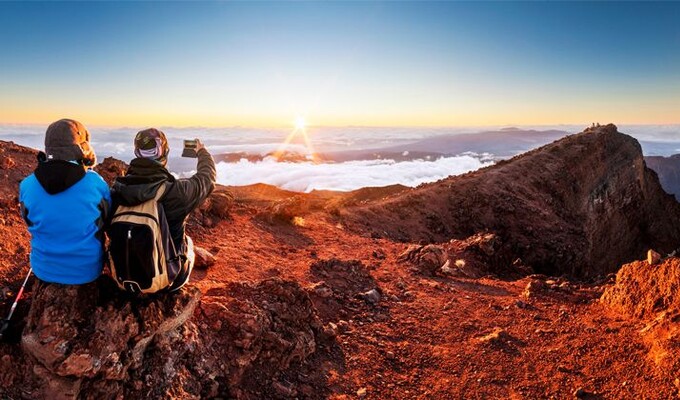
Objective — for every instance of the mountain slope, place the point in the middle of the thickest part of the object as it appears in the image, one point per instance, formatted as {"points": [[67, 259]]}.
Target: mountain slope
{"points": [[581, 206]]}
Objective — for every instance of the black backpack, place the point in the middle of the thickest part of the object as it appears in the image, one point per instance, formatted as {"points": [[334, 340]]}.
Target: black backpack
{"points": [[142, 255]]}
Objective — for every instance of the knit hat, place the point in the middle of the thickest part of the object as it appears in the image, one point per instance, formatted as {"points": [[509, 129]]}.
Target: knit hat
{"points": [[152, 143], [68, 140]]}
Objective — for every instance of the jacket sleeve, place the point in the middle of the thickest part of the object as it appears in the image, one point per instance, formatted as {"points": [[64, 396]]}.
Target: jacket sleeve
{"points": [[104, 207], [22, 206], [197, 188]]}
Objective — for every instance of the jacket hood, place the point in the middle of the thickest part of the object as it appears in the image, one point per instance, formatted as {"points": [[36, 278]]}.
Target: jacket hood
{"points": [[56, 176], [140, 183], [132, 195]]}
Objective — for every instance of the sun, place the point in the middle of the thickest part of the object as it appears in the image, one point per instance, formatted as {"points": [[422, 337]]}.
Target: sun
{"points": [[300, 131], [300, 123]]}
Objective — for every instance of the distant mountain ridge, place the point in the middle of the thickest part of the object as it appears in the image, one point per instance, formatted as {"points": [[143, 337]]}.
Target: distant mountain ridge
{"points": [[500, 144]]}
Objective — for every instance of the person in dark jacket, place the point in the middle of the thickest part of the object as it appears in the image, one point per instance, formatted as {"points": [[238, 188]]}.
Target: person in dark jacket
{"points": [[65, 205], [148, 172]]}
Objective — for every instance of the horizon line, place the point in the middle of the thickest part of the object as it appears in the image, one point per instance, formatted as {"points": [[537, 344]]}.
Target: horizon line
{"points": [[285, 127]]}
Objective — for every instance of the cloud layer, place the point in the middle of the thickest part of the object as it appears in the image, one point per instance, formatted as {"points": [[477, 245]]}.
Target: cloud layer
{"points": [[305, 177]]}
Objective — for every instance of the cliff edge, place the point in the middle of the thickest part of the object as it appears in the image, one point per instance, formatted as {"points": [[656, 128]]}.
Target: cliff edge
{"points": [[580, 206]]}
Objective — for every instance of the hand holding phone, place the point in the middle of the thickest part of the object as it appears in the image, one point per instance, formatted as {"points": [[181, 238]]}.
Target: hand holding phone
{"points": [[191, 148]]}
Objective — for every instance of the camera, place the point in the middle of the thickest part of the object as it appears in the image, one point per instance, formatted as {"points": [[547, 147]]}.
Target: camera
{"points": [[189, 149]]}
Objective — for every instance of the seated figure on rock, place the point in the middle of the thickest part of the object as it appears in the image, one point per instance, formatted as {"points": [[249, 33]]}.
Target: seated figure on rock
{"points": [[65, 205], [150, 251]]}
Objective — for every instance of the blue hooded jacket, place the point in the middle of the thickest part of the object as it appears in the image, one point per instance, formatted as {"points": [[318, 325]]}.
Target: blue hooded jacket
{"points": [[65, 208]]}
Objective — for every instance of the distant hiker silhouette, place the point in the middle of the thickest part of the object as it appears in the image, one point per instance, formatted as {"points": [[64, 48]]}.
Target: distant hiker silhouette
{"points": [[149, 249], [65, 205]]}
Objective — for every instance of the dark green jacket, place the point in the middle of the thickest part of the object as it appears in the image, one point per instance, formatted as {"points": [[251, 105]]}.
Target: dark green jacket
{"points": [[182, 196]]}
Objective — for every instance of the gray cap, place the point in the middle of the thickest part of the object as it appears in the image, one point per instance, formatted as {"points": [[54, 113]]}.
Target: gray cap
{"points": [[68, 140]]}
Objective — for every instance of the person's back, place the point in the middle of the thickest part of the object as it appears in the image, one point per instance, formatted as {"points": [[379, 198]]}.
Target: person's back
{"points": [[147, 173], [65, 206]]}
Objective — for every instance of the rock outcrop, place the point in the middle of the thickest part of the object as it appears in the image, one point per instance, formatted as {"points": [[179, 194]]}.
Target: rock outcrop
{"points": [[251, 334], [110, 168], [580, 206], [204, 258], [216, 207], [479, 255], [649, 293], [79, 335], [94, 342]]}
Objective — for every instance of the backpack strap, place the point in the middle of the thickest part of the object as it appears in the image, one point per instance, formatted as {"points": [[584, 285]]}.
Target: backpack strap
{"points": [[160, 192]]}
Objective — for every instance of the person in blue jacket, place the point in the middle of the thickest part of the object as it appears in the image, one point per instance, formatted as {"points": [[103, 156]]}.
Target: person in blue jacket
{"points": [[65, 205]]}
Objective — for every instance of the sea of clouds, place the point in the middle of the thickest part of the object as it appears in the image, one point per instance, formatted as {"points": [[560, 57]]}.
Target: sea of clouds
{"points": [[345, 176], [306, 176]]}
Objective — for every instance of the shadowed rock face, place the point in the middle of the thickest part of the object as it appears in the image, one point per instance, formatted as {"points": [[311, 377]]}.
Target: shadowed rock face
{"points": [[580, 206], [668, 169]]}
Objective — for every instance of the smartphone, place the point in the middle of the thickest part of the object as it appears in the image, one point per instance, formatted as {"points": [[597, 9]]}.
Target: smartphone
{"points": [[189, 149]]}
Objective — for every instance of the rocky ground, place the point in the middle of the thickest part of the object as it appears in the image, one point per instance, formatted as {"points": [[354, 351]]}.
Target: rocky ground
{"points": [[303, 302]]}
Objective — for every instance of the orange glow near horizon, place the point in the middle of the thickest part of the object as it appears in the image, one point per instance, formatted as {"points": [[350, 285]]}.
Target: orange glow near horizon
{"points": [[621, 116], [300, 129]]}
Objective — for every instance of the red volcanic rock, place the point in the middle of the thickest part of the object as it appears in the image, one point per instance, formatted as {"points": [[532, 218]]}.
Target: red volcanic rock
{"points": [[218, 204], [204, 258], [111, 168], [642, 290], [653, 257], [253, 332], [285, 210], [91, 341], [79, 333], [6, 162], [479, 255], [429, 259], [581, 206], [649, 293]]}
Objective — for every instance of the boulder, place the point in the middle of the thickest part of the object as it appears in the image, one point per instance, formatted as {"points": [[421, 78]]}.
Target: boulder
{"points": [[428, 259], [479, 255], [111, 168], [7, 162], [285, 210], [535, 288], [218, 204], [204, 258], [95, 342], [653, 257], [76, 334]]}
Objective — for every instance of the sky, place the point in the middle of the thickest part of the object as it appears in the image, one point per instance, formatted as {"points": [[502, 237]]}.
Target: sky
{"points": [[218, 64]]}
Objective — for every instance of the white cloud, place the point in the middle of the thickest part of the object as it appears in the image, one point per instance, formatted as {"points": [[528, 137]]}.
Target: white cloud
{"points": [[307, 176], [261, 149]]}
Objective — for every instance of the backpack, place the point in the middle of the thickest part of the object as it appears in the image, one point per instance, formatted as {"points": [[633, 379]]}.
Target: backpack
{"points": [[142, 255]]}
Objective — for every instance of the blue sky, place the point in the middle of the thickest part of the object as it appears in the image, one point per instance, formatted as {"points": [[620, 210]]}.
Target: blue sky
{"points": [[340, 63]]}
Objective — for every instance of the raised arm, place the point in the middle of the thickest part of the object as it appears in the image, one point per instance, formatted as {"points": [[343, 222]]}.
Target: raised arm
{"points": [[197, 188]]}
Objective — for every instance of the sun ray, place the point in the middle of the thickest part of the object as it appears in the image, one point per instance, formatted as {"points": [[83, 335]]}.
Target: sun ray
{"points": [[282, 148], [301, 130], [309, 145]]}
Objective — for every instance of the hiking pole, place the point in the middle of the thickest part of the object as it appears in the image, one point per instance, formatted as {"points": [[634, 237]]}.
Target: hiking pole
{"points": [[5, 322]]}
